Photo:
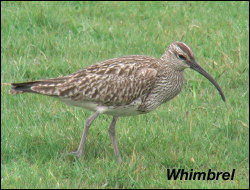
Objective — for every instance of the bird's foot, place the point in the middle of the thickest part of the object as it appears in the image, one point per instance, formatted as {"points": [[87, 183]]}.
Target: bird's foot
{"points": [[119, 160], [76, 153]]}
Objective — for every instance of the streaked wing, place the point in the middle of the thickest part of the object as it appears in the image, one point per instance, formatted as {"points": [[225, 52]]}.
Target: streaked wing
{"points": [[116, 81]]}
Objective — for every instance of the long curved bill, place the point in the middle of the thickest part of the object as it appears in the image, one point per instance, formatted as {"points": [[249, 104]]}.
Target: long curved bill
{"points": [[198, 68]]}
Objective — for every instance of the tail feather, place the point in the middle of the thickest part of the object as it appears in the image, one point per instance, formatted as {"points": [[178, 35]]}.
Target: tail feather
{"points": [[18, 88], [48, 87], [45, 87]]}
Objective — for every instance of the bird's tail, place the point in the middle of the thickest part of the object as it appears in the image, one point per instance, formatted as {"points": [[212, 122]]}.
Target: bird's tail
{"points": [[19, 88], [47, 87]]}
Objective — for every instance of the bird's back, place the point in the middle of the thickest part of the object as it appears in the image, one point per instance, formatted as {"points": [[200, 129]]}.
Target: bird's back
{"points": [[114, 82]]}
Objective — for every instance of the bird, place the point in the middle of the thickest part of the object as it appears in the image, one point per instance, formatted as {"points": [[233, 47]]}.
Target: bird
{"points": [[120, 87]]}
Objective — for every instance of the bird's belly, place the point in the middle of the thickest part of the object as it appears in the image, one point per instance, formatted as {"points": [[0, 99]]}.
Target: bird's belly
{"points": [[119, 111]]}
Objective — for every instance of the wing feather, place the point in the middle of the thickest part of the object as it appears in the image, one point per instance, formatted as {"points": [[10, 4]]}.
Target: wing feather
{"points": [[116, 81]]}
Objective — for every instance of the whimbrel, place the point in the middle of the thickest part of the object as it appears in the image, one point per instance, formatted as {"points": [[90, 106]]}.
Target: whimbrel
{"points": [[124, 86]]}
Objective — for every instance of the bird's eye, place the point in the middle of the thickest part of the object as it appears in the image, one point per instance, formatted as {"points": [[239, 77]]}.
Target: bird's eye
{"points": [[182, 57]]}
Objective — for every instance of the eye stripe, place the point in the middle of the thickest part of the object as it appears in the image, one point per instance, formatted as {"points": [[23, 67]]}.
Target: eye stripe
{"points": [[182, 57], [185, 49]]}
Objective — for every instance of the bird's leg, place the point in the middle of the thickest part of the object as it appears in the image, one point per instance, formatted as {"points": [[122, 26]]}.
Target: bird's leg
{"points": [[84, 134], [113, 140]]}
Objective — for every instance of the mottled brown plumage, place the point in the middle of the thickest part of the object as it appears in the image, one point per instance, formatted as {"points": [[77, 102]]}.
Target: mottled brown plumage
{"points": [[122, 86]]}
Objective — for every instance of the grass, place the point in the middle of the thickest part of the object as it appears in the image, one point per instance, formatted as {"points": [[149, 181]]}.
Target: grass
{"points": [[196, 130]]}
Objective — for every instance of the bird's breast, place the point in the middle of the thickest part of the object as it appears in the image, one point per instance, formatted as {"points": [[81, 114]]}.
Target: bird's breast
{"points": [[165, 88]]}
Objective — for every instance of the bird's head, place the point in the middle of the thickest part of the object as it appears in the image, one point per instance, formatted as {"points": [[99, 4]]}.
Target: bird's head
{"points": [[180, 57]]}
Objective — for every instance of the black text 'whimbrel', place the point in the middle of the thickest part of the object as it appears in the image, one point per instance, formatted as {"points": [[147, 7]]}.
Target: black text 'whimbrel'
{"points": [[122, 86]]}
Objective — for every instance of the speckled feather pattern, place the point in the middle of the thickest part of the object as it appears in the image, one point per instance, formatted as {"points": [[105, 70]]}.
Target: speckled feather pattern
{"points": [[139, 82], [124, 86]]}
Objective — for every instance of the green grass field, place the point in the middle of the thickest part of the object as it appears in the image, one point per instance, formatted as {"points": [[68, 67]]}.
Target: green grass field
{"points": [[196, 130]]}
